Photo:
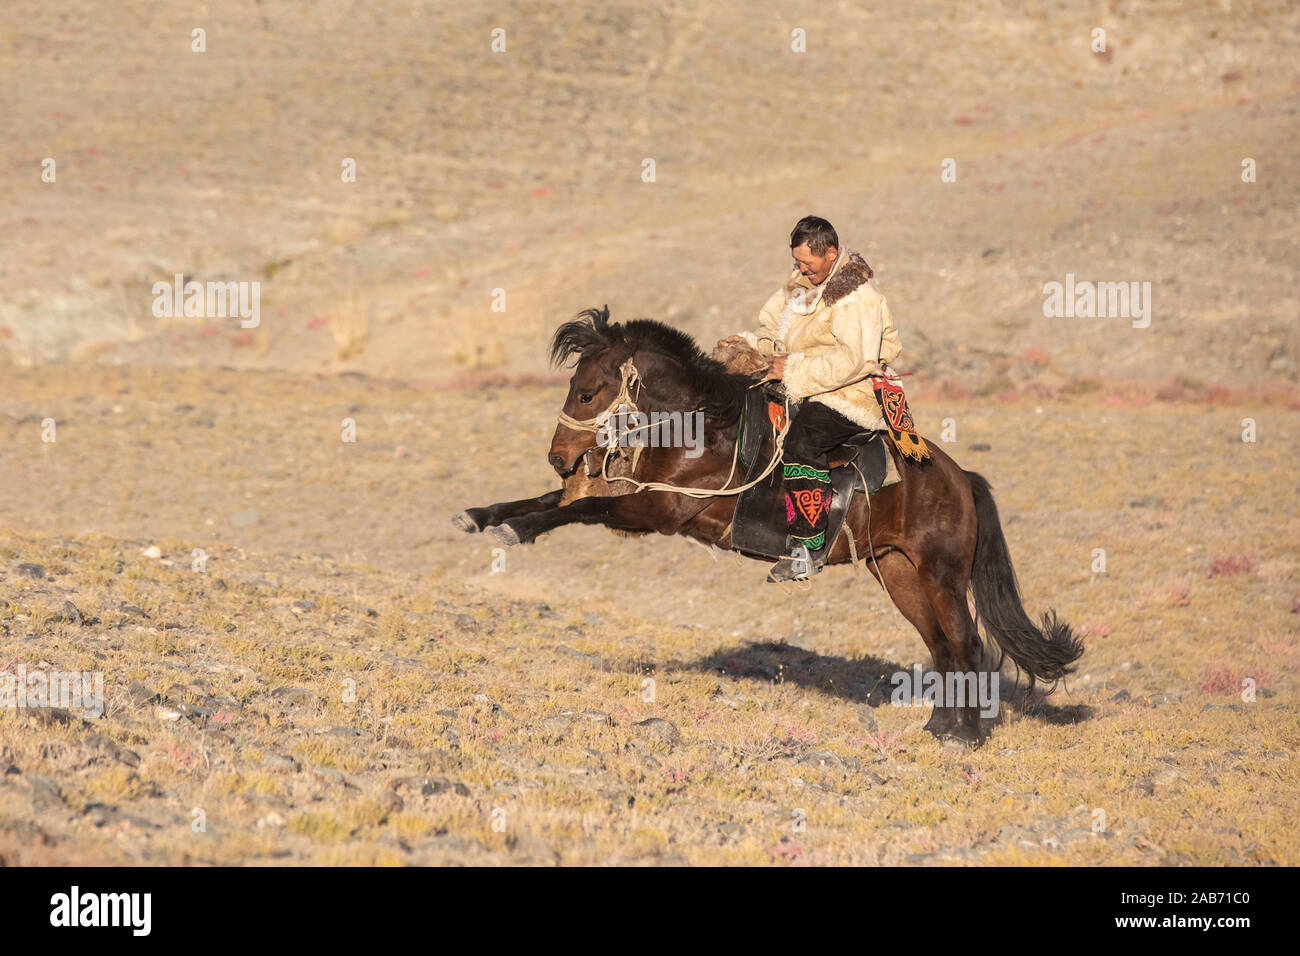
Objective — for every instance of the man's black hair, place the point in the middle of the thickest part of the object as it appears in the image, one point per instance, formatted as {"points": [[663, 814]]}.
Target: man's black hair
{"points": [[817, 232]]}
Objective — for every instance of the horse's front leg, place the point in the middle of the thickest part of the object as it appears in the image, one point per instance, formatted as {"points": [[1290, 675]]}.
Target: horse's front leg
{"points": [[660, 511], [473, 520]]}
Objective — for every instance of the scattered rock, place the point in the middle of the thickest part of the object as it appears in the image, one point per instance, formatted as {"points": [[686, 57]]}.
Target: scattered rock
{"points": [[153, 551], [69, 613], [293, 696], [341, 731], [443, 785], [50, 715], [330, 774], [100, 814], [279, 763], [429, 786], [31, 571], [114, 750], [659, 730], [502, 712], [44, 791], [824, 758], [141, 694], [1121, 696], [594, 659]]}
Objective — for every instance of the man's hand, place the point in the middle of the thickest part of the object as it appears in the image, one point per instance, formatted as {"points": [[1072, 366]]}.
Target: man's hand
{"points": [[731, 340], [777, 368]]}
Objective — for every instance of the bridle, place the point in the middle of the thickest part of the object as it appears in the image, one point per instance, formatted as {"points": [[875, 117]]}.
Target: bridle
{"points": [[630, 378]]}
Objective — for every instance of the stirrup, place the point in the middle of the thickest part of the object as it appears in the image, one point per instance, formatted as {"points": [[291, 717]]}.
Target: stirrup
{"points": [[799, 566]]}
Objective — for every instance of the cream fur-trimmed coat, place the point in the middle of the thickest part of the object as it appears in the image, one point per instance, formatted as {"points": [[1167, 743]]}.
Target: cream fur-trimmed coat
{"points": [[834, 336]]}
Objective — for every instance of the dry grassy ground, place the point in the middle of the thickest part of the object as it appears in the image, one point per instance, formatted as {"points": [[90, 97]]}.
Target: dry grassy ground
{"points": [[520, 692]]}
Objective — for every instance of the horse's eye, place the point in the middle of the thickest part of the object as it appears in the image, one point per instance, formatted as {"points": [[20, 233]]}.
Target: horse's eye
{"points": [[585, 399]]}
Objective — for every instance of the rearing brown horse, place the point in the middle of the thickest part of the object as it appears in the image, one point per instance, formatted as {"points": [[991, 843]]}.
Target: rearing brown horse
{"points": [[928, 538]]}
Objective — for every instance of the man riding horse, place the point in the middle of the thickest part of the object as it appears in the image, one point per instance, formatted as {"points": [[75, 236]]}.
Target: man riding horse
{"points": [[827, 334], [933, 539]]}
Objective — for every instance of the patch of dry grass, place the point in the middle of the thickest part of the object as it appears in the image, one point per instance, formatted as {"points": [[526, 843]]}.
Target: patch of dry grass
{"points": [[315, 707]]}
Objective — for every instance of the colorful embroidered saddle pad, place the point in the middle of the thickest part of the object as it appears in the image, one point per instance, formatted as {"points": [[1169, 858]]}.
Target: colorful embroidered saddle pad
{"points": [[761, 524]]}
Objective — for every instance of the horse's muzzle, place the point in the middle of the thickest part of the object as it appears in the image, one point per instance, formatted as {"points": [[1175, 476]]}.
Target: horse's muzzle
{"points": [[563, 468]]}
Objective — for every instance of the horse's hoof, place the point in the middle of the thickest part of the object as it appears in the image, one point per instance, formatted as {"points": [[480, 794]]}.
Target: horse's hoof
{"points": [[465, 523], [505, 534]]}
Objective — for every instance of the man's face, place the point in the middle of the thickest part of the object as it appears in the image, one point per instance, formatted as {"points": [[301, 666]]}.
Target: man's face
{"points": [[814, 267]]}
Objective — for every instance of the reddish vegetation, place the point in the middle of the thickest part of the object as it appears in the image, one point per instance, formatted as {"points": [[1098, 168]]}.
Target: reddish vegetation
{"points": [[1227, 565], [1221, 681], [1131, 396], [786, 851], [1225, 680], [955, 390]]}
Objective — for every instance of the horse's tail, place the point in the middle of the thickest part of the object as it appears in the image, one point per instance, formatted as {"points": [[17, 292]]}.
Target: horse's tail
{"points": [[1048, 653]]}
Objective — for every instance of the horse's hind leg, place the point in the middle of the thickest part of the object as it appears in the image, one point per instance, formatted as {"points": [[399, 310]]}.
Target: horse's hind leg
{"points": [[903, 584], [472, 520], [947, 598]]}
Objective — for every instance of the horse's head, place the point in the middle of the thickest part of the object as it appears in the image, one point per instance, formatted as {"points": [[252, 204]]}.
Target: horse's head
{"points": [[611, 357], [595, 383]]}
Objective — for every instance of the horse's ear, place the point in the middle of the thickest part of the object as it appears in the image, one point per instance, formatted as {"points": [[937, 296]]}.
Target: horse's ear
{"points": [[621, 353]]}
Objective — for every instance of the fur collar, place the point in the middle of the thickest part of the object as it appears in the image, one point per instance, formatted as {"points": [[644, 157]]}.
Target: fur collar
{"points": [[851, 274]]}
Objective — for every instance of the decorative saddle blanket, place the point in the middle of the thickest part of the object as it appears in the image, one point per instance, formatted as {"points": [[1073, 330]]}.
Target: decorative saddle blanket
{"points": [[760, 526]]}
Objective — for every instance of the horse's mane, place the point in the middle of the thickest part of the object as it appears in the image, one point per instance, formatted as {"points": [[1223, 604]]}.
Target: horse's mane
{"points": [[721, 392]]}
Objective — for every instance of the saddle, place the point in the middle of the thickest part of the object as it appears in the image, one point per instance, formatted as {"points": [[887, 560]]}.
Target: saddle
{"points": [[759, 527]]}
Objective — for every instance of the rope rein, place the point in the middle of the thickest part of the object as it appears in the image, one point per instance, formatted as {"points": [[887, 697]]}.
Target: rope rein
{"points": [[629, 376]]}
